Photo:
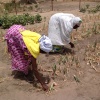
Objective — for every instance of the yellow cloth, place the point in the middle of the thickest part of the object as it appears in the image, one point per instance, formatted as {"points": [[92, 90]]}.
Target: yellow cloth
{"points": [[31, 40]]}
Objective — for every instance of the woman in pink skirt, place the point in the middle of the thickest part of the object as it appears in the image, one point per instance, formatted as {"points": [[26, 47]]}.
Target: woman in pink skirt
{"points": [[22, 43]]}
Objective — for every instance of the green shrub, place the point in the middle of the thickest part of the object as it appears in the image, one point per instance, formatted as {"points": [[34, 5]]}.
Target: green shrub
{"points": [[38, 18], [6, 21], [95, 9]]}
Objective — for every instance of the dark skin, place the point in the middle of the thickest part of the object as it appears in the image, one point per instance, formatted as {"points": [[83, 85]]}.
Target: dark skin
{"points": [[71, 44], [35, 71], [75, 27]]}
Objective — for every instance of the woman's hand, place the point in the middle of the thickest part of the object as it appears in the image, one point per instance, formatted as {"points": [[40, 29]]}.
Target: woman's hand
{"points": [[72, 45]]}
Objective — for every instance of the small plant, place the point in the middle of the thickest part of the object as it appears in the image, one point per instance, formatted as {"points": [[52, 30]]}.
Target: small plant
{"points": [[77, 62], [64, 71], [93, 11], [83, 10], [94, 29], [87, 6], [38, 18], [76, 78], [95, 44], [31, 20], [63, 60], [98, 7], [36, 6], [54, 68], [44, 23], [30, 7], [59, 62], [88, 33], [44, 19]]}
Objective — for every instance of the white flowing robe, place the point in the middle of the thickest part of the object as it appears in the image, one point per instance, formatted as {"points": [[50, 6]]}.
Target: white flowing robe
{"points": [[60, 28]]}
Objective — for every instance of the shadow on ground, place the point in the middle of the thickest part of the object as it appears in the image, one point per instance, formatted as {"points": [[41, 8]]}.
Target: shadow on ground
{"points": [[30, 77]]}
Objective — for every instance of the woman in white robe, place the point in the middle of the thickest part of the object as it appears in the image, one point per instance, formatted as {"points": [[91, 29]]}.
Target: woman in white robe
{"points": [[60, 28]]}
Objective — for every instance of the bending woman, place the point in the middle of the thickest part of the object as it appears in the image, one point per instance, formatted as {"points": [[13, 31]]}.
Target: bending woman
{"points": [[24, 47], [60, 28]]}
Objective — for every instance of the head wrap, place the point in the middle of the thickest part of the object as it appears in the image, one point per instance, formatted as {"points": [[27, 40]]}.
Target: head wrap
{"points": [[45, 44], [76, 21]]}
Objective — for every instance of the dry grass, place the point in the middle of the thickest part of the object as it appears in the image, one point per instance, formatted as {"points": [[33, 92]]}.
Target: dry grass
{"points": [[69, 66], [90, 26]]}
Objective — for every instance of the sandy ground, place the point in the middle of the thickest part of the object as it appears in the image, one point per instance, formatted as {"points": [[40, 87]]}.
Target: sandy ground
{"points": [[88, 87]]}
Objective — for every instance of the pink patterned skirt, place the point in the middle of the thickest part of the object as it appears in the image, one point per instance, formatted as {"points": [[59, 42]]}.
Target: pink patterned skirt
{"points": [[17, 49]]}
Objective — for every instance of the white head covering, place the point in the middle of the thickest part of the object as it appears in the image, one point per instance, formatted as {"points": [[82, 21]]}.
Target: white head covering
{"points": [[45, 44], [76, 21]]}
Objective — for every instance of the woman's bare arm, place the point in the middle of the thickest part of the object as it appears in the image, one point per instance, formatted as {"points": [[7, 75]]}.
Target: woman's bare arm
{"points": [[35, 71]]}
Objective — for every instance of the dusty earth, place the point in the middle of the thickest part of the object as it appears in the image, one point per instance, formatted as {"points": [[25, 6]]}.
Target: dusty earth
{"points": [[77, 75]]}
